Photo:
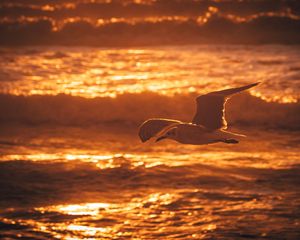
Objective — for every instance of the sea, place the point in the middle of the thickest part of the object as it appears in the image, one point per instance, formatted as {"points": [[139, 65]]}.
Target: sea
{"points": [[72, 165]]}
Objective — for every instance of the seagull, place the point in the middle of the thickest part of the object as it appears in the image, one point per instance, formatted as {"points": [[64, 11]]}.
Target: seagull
{"points": [[208, 125]]}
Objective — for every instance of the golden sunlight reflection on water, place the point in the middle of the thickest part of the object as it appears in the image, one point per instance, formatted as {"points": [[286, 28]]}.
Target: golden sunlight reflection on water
{"points": [[162, 213], [76, 209], [93, 73], [261, 159], [89, 213], [164, 192], [125, 214]]}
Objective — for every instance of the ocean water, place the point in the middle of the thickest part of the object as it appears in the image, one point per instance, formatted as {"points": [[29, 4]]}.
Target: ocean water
{"points": [[72, 165], [148, 22]]}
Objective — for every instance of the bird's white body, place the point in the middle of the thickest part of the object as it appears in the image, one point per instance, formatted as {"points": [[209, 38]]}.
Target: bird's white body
{"points": [[187, 133], [208, 125]]}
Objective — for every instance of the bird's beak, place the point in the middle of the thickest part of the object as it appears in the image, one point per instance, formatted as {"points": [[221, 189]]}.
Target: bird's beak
{"points": [[160, 138]]}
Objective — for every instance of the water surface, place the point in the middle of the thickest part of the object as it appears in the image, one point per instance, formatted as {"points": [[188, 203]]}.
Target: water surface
{"points": [[72, 166]]}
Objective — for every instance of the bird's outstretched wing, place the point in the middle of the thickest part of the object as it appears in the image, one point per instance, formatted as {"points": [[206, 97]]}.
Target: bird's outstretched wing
{"points": [[153, 126], [211, 107]]}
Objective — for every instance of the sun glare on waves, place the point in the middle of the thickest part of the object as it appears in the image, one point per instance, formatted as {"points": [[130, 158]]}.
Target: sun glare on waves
{"points": [[189, 155], [161, 211], [91, 209], [88, 214], [275, 98], [91, 73]]}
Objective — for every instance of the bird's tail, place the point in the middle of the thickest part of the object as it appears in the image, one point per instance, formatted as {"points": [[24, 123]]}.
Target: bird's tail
{"points": [[234, 134]]}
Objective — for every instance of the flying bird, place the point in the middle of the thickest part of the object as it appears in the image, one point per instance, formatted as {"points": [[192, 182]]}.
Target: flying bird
{"points": [[208, 125]]}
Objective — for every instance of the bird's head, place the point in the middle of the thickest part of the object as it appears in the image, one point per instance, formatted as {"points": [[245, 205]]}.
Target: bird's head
{"points": [[171, 134]]}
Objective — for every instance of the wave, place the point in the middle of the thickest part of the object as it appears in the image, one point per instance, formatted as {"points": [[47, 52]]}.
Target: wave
{"points": [[131, 8], [58, 181], [131, 23], [216, 29], [243, 109]]}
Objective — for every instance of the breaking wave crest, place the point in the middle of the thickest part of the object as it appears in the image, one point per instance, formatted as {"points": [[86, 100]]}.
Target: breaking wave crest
{"points": [[243, 109], [219, 29], [134, 23]]}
